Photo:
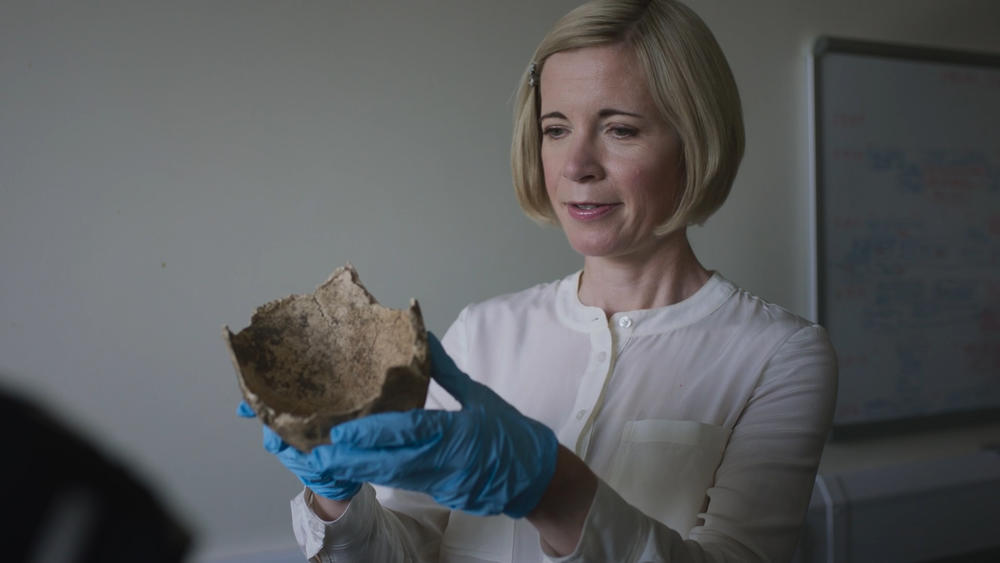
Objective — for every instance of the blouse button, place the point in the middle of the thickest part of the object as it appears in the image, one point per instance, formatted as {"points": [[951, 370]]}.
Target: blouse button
{"points": [[581, 414], [602, 356], [625, 322]]}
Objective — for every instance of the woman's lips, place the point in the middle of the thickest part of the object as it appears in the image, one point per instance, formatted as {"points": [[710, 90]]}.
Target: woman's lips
{"points": [[589, 211]]}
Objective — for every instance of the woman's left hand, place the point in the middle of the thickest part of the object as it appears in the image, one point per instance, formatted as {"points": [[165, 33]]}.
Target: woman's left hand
{"points": [[486, 458]]}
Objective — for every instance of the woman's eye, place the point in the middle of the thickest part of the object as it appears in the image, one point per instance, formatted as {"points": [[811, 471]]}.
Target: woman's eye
{"points": [[622, 132], [554, 131]]}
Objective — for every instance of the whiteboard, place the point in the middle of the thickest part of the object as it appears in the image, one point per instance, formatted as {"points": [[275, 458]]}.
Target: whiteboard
{"points": [[907, 172]]}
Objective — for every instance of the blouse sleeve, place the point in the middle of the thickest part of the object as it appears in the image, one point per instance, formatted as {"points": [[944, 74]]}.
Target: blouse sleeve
{"points": [[367, 531], [762, 486], [381, 523]]}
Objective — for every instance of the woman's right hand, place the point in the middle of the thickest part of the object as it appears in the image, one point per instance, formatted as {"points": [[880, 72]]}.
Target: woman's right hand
{"points": [[312, 468]]}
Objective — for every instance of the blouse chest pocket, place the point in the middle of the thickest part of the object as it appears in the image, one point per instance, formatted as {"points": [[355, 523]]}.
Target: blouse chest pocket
{"points": [[665, 468]]}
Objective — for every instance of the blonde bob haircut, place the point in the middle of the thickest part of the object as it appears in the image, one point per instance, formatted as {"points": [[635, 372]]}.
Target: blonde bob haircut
{"points": [[689, 78]]}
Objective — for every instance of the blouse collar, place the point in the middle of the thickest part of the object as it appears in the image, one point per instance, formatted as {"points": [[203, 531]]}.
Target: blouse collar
{"points": [[702, 303]]}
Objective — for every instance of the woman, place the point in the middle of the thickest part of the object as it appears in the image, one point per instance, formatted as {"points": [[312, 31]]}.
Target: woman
{"points": [[641, 409]]}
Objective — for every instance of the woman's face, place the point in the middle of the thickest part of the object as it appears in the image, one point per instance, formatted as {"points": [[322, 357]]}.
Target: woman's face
{"points": [[612, 164]]}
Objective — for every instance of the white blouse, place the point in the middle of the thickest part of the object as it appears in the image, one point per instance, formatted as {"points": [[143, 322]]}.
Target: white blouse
{"points": [[704, 420]]}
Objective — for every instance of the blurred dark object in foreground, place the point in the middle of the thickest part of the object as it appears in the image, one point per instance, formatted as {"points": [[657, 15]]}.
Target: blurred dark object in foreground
{"points": [[64, 501]]}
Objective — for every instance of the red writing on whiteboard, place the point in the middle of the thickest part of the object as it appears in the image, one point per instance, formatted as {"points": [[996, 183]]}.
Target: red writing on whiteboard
{"points": [[989, 321], [841, 222], [850, 292], [955, 176], [982, 357], [849, 154], [994, 224], [846, 119], [954, 183]]}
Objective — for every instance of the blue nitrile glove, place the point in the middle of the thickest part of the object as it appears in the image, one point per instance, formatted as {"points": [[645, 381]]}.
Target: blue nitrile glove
{"points": [[311, 468], [484, 459]]}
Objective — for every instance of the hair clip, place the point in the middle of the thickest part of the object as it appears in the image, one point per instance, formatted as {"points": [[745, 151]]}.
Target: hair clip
{"points": [[533, 75]]}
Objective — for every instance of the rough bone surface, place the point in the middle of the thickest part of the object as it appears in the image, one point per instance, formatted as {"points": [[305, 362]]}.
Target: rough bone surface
{"points": [[309, 362]]}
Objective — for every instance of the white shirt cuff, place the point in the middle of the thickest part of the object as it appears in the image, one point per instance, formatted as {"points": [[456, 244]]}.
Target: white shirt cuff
{"points": [[611, 529], [313, 533]]}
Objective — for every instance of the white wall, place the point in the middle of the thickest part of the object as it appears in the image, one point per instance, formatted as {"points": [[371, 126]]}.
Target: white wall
{"points": [[167, 167]]}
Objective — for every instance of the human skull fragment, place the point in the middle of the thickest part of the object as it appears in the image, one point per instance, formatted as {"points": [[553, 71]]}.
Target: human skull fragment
{"points": [[309, 362]]}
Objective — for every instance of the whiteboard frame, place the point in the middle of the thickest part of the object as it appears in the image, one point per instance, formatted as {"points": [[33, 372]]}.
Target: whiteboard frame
{"points": [[822, 46]]}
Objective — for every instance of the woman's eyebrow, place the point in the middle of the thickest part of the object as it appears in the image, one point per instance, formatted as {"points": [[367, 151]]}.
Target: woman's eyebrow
{"points": [[606, 112]]}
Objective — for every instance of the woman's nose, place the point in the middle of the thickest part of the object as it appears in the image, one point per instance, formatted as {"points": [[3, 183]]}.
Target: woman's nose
{"points": [[582, 162]]}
